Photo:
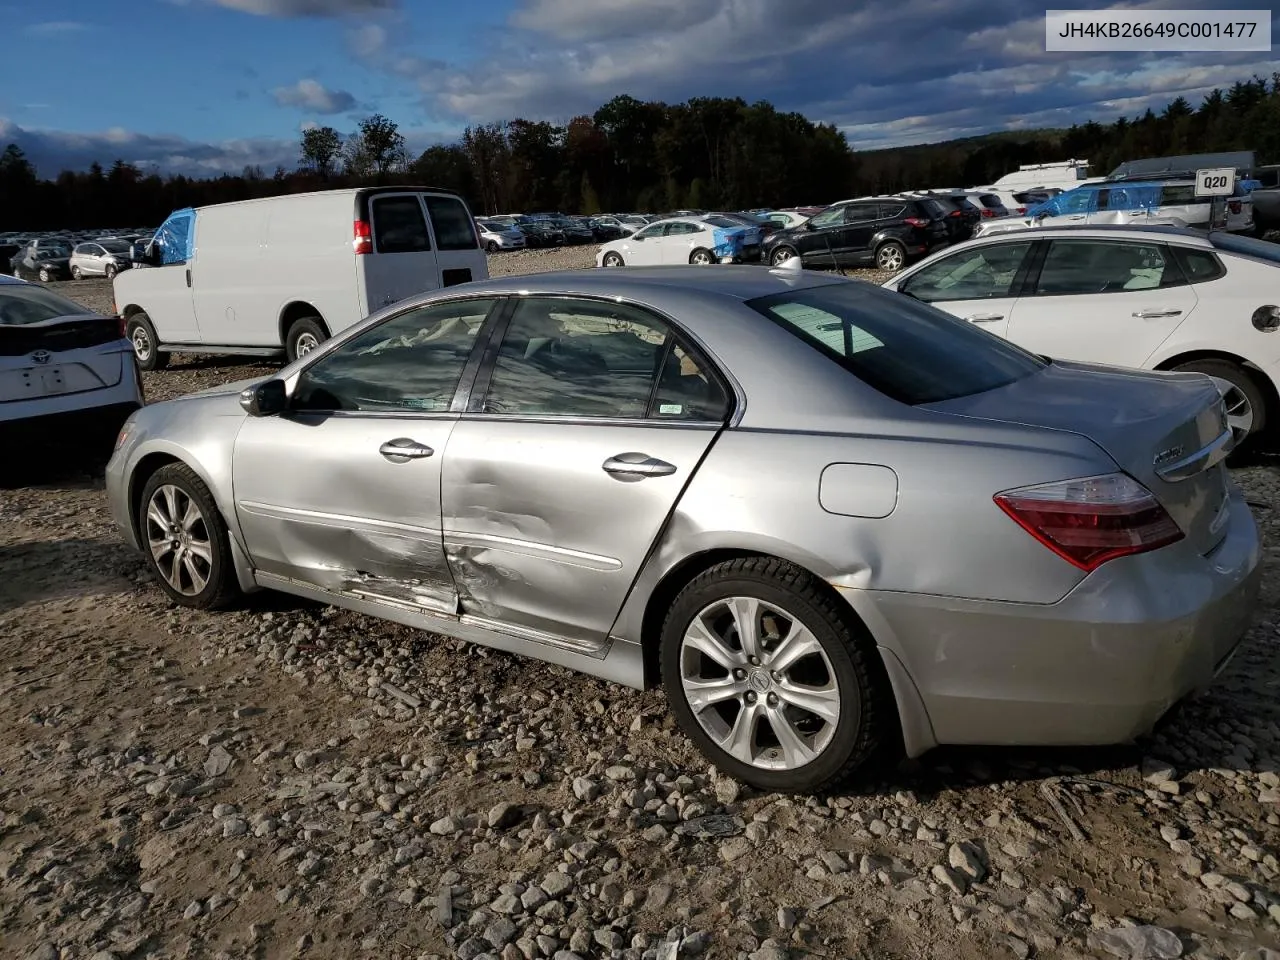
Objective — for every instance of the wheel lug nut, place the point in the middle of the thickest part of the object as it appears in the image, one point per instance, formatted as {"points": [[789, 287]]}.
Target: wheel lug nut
{"points": [[755, 661], [751, 697], [739, 674], [775, 674], [773, 700]]}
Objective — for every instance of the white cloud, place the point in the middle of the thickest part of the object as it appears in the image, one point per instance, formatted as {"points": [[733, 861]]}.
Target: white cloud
{"points": [[304, 8], [312, 95], [55, 28]]}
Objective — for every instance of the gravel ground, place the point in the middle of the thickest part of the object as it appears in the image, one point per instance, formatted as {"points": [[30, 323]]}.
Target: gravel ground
{"points": [[288, 780]]}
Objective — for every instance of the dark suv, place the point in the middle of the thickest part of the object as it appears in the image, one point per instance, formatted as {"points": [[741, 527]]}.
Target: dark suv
{"points": [[962, 214], [884, 231]]}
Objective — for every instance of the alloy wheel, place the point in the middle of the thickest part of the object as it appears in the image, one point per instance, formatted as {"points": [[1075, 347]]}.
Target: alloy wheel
{"points": [[890, 258], [305, 343], [179, 540], [701, 258], [1239, 409], [759, 683]]}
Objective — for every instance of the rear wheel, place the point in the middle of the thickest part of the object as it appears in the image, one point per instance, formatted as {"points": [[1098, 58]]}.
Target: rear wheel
{"points": [[891, 255], [304, 336], [76, 274], [491, 246], [111, 271], [146, 345], [772, 680], [612, 259], [44, 275], [185, 538], [1245, 402], [701, 258]]}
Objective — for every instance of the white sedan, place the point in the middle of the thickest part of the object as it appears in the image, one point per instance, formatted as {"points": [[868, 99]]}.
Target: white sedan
{"points": [[679, 240], [1158, 298]]}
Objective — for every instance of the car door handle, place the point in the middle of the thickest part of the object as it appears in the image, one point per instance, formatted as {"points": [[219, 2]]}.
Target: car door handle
{"points": [[188, 276], [403, 449], [1154, 314], [637, 465], [985, 317]]}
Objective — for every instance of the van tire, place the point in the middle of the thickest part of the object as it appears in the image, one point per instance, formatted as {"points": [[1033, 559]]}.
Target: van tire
{"points": [[141, 333], [304, 336]]}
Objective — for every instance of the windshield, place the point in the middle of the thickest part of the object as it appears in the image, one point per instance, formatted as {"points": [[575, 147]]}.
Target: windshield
{"points": [[22, 303], [905, 349], [1248, 246]]}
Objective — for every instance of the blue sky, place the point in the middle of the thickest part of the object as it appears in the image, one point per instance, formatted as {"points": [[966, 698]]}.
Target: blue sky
{"points": [[203, 86]]}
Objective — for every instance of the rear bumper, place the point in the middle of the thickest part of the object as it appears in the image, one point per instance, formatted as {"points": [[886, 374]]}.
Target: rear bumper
{"points": [[1100, 666], [70, 429]]}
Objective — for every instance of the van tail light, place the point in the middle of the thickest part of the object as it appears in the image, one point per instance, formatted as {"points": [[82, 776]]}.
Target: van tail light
{"points": [[363, 237], [1235, 206], [915, 221], [1091, 520]]}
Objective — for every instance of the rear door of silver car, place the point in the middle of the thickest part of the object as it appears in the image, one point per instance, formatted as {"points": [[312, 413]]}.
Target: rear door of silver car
{"points": [[587, 421], [342, 491]]}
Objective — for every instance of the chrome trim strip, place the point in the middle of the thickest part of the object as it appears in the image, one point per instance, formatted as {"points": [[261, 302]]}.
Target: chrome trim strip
{"points": [[1207, 456], [529, 548], [589, 647], [276, 512]]}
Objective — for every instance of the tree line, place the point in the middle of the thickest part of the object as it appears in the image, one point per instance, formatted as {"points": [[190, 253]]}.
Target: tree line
{"points": [[634, 155]]}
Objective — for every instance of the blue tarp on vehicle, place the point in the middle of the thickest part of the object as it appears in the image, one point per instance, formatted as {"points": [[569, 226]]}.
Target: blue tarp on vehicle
{"points": [[730, 241], [176, 235]]}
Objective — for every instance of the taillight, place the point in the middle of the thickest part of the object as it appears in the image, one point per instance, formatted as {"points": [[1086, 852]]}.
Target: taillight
{"points": [[1091, 520], [1235, 206], [955, 213], [363, 237], [1021, 211], [988, 212], [915, 221]]}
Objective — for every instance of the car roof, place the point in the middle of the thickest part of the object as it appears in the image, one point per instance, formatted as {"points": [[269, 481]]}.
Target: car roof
{"points": [[743, 282]]}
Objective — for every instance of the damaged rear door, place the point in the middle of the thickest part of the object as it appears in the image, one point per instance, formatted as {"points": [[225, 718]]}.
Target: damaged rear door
{"points": [[342, 491], [577, 443]]}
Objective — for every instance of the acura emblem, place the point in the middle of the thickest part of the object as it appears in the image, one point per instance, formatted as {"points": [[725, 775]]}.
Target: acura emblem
{"points": [[41, 356]]}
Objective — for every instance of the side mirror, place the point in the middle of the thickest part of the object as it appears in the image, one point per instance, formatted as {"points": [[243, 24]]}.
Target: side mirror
{"points": [[265, 399]]}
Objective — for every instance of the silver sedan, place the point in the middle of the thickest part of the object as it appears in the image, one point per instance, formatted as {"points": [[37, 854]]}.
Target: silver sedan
{"points": [[829, 519]]}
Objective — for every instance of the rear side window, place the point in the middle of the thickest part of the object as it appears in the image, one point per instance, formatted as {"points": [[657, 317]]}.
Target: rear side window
{"points": [[398, 225], [1200, 266], [1181, 194], [908, 351], [892, 211], [452, 224]]}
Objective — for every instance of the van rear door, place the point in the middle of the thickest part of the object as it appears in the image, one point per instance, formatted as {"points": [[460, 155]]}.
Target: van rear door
{"points": [[402, 261], [458, 249]]}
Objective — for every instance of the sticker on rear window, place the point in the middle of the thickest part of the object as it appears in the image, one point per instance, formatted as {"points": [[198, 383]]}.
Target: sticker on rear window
{"points": [[671, 408], [827, 328]]}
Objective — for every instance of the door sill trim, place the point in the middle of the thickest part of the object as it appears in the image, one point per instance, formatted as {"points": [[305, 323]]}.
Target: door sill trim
{"points": [[586, 647]]}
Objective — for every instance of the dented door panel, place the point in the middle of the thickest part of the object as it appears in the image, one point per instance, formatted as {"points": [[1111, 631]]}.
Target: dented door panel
{"points": [[319, 502], [538, 535]]}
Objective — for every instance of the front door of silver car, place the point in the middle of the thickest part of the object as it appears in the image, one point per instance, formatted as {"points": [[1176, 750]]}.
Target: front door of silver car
{"points": [[580, 437], [342, 490]]}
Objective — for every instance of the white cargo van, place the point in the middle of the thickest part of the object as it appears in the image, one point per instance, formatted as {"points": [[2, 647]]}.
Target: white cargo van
{"points": [[283, 274]]}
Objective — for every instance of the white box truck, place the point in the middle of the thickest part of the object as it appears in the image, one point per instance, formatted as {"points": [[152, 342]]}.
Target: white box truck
{"points": [[283, 274]]}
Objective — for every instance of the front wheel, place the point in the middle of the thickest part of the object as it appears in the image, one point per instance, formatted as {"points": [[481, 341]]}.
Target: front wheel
{"points": [[781, 256], [612, 259], [1245, 403], [44, 275], [146, 345], [304, 336], [186, 539], [76, 274], [111, 271], [772, 680], [491, 247], [701, 258], [891, 256]]}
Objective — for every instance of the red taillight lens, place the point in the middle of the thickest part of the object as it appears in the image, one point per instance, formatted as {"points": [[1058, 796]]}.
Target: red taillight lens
{"points": [[955, 213], [916, 221], [1021, 210], [363, 237], [1093, 519], [988, 212], [1235, 206]]}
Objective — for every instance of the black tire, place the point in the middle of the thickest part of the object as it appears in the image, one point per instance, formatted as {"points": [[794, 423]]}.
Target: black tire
{"points": [[866, 702], [222, 587], [110, 271], [76, 274], [1239, 378], [781, 254], [491, 246], [613, 259], [702, 257], [891, 255], [300, 336], [142, 334]]}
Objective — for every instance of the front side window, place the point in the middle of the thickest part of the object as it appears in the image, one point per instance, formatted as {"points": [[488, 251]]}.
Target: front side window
{"points": [[398, 225], [681, 229], [410, 363], [906, 350], [648, 233], [583, 358], [1100, 266], [174, 239], [828, 218], [982, 274]]}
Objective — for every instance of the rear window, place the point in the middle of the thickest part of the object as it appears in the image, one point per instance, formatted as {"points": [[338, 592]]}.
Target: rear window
{"points": [[1246, 246], [398, 225], [22, 303], [452, 224], [722, 222], [991, 200], [907, 350]]}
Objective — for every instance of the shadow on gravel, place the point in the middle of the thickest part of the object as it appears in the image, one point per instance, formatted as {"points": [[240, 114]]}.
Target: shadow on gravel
{"points": [[63, 569], [198, 361], [34, 468]]}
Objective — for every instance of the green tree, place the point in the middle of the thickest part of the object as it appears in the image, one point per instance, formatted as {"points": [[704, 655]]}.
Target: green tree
{"points": [[375, 149], [590, 199], [321, 148]]}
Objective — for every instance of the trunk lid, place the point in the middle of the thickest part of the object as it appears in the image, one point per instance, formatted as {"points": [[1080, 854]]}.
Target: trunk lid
{"points": [[1152, 424], [57, 334]]}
